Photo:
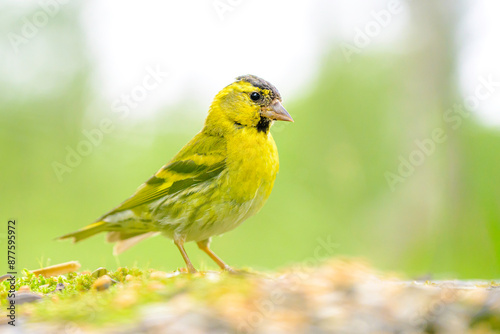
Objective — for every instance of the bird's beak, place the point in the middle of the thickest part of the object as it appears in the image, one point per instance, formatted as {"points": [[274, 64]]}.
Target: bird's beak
{"points": [[276, 112]]}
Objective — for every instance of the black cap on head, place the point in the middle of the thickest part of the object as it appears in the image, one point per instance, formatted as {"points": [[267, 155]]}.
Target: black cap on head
{"points": [[261, 83]]}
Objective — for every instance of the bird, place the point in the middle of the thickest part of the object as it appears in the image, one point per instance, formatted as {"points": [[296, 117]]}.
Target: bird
{"points": [[220, 178]]}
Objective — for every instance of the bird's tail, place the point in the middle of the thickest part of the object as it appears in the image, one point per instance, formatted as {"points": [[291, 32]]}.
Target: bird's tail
{"points": [[86, 232], [125, 234]]}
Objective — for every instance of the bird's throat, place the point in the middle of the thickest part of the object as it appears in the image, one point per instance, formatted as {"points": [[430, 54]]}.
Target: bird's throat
{"points": [[264, 125]]}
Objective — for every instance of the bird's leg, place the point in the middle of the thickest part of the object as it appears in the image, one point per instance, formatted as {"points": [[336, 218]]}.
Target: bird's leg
{"points": [[204, 246], [180, 244]]}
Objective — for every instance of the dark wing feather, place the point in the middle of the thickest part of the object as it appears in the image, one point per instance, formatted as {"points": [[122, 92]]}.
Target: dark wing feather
{"points": [[202, 159]]}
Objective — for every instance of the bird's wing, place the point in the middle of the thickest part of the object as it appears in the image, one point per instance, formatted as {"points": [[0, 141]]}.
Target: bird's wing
{"points": [[202, 159]]}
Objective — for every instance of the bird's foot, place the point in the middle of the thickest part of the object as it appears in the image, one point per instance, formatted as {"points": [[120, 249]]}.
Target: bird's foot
{"points": [[230, 270], [241, 272]]}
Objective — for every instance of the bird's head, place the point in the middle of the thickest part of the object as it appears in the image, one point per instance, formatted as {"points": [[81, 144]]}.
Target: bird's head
{"points": [[248, 102]]}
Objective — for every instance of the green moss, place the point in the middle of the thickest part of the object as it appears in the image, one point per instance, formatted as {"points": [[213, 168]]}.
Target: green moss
{"points": [[81, 302]]}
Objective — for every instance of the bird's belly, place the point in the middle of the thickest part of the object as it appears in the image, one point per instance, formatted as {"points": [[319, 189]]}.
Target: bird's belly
{"points": [[209, 211]]}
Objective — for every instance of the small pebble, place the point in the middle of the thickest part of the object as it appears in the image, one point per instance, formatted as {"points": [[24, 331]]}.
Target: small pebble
{"points": [[25, 288], [99, 272], [60, 287], [102, 283]]}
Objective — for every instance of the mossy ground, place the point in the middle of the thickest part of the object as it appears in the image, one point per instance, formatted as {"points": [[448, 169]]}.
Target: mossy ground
{"points": [[337, 295], [115, 296]]}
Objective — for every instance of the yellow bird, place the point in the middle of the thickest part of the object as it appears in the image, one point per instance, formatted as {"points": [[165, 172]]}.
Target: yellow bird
{"points": [[223, 176]]}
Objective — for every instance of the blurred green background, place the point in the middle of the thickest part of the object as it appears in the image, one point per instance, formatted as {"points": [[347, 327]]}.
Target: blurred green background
{"points": [[353, 121]]}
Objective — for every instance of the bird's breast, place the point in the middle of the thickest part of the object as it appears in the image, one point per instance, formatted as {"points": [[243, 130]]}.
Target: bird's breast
{"points": [[252, 161]]}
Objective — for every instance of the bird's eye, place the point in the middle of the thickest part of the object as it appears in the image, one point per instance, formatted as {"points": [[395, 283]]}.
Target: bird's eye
{"points": [[255, 96]]}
